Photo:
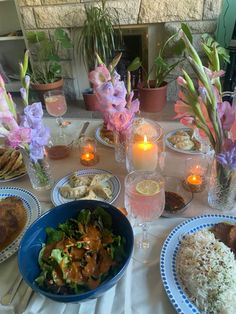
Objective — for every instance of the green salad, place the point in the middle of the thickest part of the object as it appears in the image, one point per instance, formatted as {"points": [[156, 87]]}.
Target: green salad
{"points": [[80, 254]]}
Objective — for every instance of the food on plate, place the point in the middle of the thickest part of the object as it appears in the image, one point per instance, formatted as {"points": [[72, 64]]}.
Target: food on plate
{"points": [[12, 220], [226, 233], [92, 187], [206, 268], [80, 253], [74, 193], [107, 135], [11, 163], [184, 140]]}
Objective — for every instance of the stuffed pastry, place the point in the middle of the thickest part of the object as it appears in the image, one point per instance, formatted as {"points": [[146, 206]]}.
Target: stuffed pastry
{"points": [[76, 180], [74, 193], [102, 191], [100, 179]]}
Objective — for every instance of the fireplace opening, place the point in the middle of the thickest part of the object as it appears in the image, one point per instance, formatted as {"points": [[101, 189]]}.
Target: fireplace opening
{"points": [[135, 44]]}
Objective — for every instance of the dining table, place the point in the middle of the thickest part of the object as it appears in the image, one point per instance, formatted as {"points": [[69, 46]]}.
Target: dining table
{"points": [[140, 290]]}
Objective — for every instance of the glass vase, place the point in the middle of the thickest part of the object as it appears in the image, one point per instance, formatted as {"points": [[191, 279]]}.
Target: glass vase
{"points": [[120, 144], [38, 172], [222, 187]]}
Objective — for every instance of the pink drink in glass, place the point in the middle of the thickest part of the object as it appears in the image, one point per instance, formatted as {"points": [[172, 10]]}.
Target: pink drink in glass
{"points": [[144, 207], [56, 105]]}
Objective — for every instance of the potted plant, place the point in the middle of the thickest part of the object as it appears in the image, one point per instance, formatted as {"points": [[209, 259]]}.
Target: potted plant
{"points": [[153, 92], [46, 71], [97, 35]]}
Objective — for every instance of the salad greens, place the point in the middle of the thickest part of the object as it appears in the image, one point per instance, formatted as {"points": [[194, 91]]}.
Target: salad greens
{"points": [[80, 253]]}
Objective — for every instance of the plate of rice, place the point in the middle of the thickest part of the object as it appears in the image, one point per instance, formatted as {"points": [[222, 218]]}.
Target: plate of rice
{"points": [[198, 271]]}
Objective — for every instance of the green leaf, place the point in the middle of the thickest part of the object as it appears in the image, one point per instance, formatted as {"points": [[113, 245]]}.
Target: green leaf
{"points": [[134, 65], [84, 217], [62, 36], [54, 235], [187, 32], [100, 213], [35, 37]]}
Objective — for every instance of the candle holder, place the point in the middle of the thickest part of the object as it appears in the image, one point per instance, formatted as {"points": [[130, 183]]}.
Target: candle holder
{"points": [[145, 146], [88, 151], [196, 173]]}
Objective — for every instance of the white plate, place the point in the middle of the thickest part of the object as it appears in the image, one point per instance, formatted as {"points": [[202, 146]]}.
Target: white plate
{"points": [[14, 178], [169, 251], [113, 183], [171, 146], [101, 139], [32, 209]]}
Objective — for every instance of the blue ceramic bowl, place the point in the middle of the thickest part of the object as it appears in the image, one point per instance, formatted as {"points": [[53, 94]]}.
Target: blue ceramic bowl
{"points": [[35, 236]]}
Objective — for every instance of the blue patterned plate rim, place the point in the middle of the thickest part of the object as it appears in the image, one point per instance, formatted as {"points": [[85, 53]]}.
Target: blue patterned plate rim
{"points": [[33, 211], [114, 183], [171, 146], [100, 139], [169, 251]]}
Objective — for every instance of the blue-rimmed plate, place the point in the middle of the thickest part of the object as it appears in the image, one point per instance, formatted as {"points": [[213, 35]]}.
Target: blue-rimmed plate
{"points": [[102, 140], [177, 296], [113, 183], [195, 150], [32, 210]]}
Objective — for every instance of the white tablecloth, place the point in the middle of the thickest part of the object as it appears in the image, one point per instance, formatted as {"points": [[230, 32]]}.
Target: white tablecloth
{"points": [[140, 291]]}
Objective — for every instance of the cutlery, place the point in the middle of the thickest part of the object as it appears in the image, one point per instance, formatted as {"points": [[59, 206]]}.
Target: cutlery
{"points": [[8, 297], [24, 301], [81, 134]]}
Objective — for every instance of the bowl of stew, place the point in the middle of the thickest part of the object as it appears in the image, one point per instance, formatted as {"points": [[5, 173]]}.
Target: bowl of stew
{"points": [[76, 251]]}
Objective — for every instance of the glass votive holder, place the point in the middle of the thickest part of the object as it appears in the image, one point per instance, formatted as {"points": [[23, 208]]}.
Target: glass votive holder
{"points": [[196, 174], [145, 146], [88, 151]]}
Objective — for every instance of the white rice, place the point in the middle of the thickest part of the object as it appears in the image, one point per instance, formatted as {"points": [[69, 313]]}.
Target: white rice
{"points": [[207, 270]]}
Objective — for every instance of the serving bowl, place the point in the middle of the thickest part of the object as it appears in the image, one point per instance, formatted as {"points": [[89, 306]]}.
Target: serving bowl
{"points": [[35, 236], [174, 185]]}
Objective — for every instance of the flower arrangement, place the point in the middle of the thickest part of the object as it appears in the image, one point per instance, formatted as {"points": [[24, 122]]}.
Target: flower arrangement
{"points": [[115, 101], [201, 106], [27, 132]]}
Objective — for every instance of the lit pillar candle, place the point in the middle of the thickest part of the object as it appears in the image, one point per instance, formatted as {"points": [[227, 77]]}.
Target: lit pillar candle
{"points": [[144, 155]]}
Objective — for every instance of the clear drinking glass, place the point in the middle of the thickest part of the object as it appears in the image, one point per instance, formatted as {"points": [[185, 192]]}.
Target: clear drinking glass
{"points": [[56, 106], [145, 202]]}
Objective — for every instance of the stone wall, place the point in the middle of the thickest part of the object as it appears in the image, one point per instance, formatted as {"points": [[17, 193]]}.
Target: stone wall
{"points": [[201, 15]]}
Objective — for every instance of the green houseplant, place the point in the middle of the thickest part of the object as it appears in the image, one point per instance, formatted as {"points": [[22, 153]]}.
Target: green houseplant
{"points": [[46, 71], [153, 92], [97, 35]]}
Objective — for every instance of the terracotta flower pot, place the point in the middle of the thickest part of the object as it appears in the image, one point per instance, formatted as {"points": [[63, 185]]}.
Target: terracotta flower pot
{"points": [[153, 99], [43, 88], [90, 101]]}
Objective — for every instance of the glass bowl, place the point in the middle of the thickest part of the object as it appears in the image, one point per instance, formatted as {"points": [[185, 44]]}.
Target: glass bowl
{"points": [[177, 198]]}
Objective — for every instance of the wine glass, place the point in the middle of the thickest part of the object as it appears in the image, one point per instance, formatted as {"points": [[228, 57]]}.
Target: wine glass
{"points": [[56, 106], [145, 202]]}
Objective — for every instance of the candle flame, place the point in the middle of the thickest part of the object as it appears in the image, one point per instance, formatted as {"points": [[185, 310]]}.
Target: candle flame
{"points": [[145, 139]]}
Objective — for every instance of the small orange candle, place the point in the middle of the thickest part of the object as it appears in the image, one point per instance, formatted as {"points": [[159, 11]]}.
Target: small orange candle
{"points": [[194, 179], [88, 156]]}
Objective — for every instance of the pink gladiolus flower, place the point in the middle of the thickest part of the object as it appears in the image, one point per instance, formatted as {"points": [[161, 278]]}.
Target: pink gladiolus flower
{"points": [[99, 76], [8, 121], [181, 81], [119, 121], [183, 110], [3, 101], [227, 115], [19, 137], [214, 74]]}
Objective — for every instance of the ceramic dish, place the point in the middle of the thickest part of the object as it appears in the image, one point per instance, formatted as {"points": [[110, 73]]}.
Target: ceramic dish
{"points": [[169, 252], [35, 236], [192, 151], [100, 139], [174, 185], [14, 178], [32, 209], [113, 183]]}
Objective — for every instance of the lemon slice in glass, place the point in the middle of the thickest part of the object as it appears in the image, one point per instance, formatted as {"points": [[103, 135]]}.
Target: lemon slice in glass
{"points": [[148, 187]]}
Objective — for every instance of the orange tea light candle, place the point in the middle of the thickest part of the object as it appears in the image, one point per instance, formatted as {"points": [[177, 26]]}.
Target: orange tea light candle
{"points": [[88, 155], [194, 179], [144, 155]]}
